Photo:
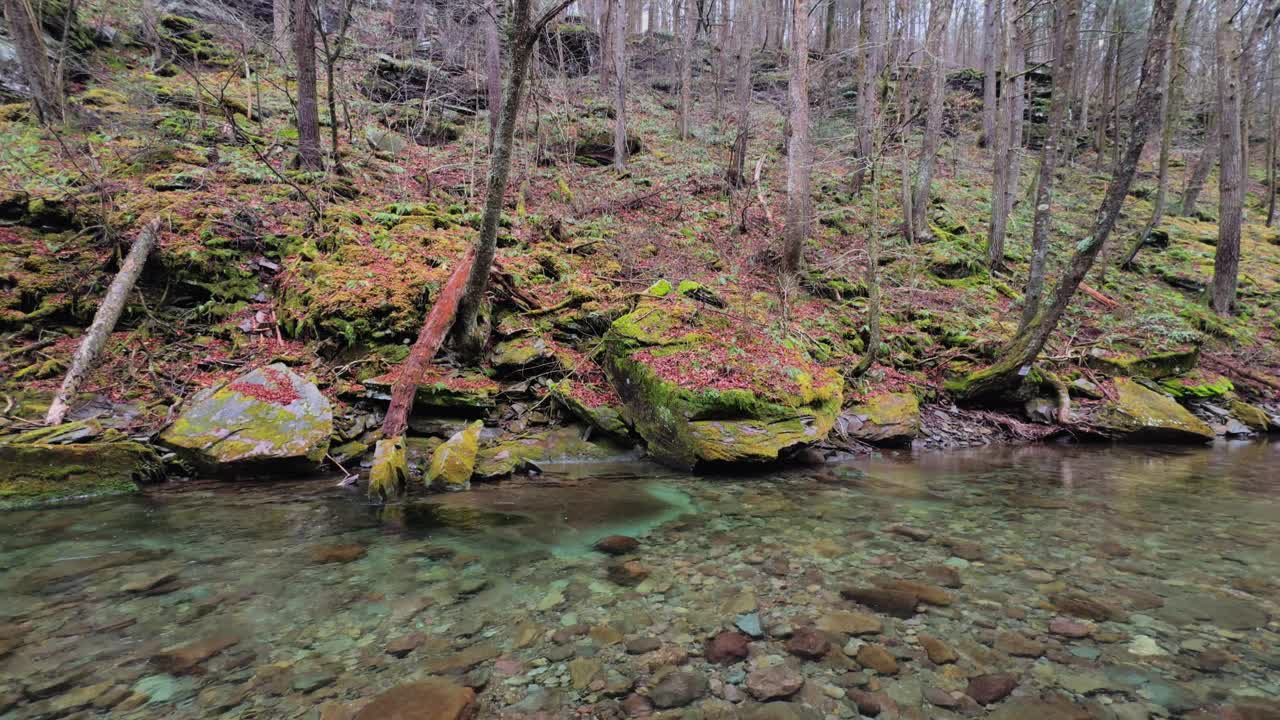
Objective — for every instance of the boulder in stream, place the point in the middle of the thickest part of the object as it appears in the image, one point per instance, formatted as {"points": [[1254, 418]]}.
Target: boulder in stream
{"points": [[887, 419], [37, 473], [1144, 414], [453, 462], [266, 420]]}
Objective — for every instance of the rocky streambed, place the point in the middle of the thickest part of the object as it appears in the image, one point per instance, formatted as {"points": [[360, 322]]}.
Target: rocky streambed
{"points": [[1037, 582]]}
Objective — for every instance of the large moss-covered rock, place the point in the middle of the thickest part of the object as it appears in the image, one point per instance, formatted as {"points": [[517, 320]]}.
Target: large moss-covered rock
{"points": [[1251, 416], [1154, 366], [265, 420], [1144, 414], [594, 403], [700, 385], [35, 474], [560, 445], [453, 462], [887, 419], [390, 470]]}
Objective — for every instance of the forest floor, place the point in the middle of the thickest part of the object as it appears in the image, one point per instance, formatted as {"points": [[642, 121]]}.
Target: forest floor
{"points": [[333, 274]]}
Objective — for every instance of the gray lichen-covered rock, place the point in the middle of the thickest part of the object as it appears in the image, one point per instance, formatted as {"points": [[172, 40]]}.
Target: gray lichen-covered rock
{"points": [[262, 421], [1144, 414], [887, 419]]}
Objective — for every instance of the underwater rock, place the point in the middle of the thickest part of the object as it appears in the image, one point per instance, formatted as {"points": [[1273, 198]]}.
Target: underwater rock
{"points": [[726, 648], [986, 689], [897, 603], [617, 544], [33, 474], [678, 689], [808, 643], [1144, 414], [887, 419], [776, 681], [455, 460], [265, 420], [184, 658], [430, 699], [701, 386]]}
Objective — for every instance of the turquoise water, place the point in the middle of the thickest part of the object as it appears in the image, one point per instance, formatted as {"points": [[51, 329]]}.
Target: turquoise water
{"points": [[1099, 582]]}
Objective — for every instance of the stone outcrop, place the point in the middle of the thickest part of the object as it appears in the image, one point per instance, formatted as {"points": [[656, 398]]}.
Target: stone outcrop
{"points": [[1144, 414], [37, 473], [454, 461], [886, 419]]}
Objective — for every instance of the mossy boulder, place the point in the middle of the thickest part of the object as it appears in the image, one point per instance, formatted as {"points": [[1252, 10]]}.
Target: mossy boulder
{"points": [[1140, 413], [458, 392], [1197, 384], [563, 444], [1155, 366], [453, 462], [596, 404], [265, 420], [38, 473], [702, 385], [390, 470], [1251, 416], [887, 419], [523, 356]]}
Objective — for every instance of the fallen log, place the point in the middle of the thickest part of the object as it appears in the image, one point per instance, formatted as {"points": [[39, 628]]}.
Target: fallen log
{"points": [[390, 469], [104, 321]]}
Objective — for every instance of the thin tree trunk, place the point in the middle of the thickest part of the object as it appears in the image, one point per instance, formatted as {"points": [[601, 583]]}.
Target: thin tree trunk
{"points": [[619, 87], [1200, 169], [492, 66], [1022, 351], [872, 275], [524, 37], [606, 48], [304, 51], [104, 321], [990, 38], [28, 40], [686, 66], [1273, 134], [799, 151], [829, 28], [1067, 33], [871, 39], [1018, 107], [932, 87], [1113, 49], [280, 12], [1226, 259], [1000, 169], [742, 94]]}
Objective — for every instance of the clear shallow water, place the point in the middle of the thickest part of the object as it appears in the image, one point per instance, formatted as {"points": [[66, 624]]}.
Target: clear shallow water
{"points": [[283, 599]]}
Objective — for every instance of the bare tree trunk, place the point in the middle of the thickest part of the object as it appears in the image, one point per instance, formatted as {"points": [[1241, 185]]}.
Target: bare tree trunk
{"points": [[619, 87], [872, 275], [1018, 99], [104, 321], [606, 40], [304, 51], [871, 38], [1067, 33], [1226, 259], [991, 33], [1273, 134], [1000, 167], [280, 16], [1200, 169], [736, 174], [799, 154], [524, 37], [686, 66], [829, 28], [1022, 351], [28, 40], [492, 66], [1108, 72], [933, 87]]}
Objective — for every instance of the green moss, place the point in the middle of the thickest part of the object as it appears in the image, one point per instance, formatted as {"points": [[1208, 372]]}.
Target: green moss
{"points": [[1197, 384], [453, 462], [1154, 366], [35, 474], [390, 471], [1145, 414]]}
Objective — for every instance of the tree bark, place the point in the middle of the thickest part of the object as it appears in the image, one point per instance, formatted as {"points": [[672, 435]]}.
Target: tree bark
{"points": [[1226, 259], [492, 66], [1200, 169], [686, 66], [619, 87], [430, 337], [871, 38], [872, 275], [736, 174], [999, 160], [304, 51], [524, 37], [104, 321], [799, 153], [281, 10], [28, 40], [991, 32], [933, 87], [1023, 349], [1067, 33]]}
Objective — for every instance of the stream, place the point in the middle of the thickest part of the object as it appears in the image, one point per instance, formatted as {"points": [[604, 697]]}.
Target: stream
{"points": [[1105, 581]]}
